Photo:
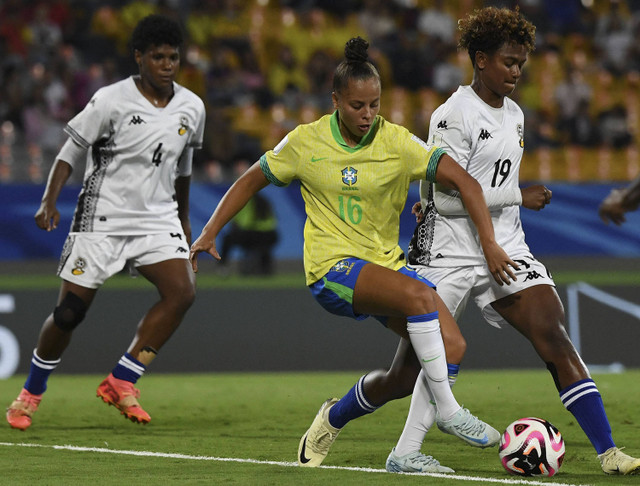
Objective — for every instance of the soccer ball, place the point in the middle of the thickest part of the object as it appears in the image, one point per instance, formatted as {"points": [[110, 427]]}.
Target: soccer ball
{"points": [[531, 447]]}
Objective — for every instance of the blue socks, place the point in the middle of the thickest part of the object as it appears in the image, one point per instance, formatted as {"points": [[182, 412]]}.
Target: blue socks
{"points": [[353, 405], [452, 372], [39, 374], [583, 400], [128, 369]]}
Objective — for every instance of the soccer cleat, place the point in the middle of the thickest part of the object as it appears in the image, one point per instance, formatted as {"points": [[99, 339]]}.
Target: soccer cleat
{"points": [[414, 462], [614, 461], [469, 428], [20, 411], [124, 396], [315, 443]]}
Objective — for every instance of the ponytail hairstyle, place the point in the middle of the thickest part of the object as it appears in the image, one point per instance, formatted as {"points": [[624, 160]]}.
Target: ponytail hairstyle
{"points": [[356, 64]]}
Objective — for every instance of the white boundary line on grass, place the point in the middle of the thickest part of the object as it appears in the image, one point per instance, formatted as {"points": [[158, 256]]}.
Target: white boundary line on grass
{"points": [[167, 455]]}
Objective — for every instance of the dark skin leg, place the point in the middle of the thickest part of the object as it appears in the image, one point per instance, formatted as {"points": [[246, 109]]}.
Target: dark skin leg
{"points": [[52, 340], [537, 313], [175, 282], [381, 386]]}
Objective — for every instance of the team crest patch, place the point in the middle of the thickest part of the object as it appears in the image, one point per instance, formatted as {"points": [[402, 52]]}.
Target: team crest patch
{"points": [[520, 134], [78, 266], [343, 266], [184, 125], [349, 176]]}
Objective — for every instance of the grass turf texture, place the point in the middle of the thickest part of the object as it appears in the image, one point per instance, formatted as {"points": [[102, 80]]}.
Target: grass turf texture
{"points": [[262, 416]]}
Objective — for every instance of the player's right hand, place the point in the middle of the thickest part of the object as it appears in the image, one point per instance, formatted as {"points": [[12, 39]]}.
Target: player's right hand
{"points": [[500, 265], [416, 210], [47, 217]]}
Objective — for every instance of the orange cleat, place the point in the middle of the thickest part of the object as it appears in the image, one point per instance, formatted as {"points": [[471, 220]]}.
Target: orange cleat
{"points": [[20, 411], [124, 396]]}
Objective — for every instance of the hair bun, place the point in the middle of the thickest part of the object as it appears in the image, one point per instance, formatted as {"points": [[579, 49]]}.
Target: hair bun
{"points": [[356, 50]]}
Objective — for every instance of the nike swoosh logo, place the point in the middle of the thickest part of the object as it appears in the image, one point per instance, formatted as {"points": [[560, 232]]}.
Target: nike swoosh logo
{"points": [[313, 159], [303, 459], [430, 360], [484, 440]]}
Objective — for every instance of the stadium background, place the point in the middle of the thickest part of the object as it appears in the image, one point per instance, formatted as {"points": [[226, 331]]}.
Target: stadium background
{"points": [[264, 66]]}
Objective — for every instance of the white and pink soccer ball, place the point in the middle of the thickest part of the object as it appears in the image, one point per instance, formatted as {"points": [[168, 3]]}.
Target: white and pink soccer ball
{"points": [[531, 447]]}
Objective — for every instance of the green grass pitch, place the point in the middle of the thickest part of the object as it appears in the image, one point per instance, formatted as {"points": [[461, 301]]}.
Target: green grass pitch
{"points": [[245, 429]]}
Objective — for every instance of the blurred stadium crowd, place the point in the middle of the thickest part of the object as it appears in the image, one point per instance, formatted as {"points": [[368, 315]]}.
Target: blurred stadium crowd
{"points": [[264, 66]]}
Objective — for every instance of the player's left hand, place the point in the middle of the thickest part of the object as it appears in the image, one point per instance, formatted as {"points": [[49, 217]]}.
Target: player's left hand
{"points": [[207, 245], [536, 197]]}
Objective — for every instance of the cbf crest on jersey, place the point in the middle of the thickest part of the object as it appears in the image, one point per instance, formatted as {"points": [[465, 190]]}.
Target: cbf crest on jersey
{"points": [[520, 134], [343, 266], [184, 125], [349, 176]]}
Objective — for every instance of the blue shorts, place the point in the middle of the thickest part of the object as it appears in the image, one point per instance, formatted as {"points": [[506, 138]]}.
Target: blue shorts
{"points": [[334, 291]]}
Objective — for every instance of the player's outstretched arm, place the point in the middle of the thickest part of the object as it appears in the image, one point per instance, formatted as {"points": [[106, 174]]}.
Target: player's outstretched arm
{"points": [[450, 174], [249, 183], [47, 217], [533, 197], [620, 201]]}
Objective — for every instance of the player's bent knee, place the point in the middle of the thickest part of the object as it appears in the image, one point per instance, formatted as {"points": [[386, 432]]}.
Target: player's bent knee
{"points": [[70, 312]]}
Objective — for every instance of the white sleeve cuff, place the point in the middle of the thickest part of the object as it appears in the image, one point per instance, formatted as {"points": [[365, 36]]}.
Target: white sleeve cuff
{"points": [[451, 205], [72, 153]]}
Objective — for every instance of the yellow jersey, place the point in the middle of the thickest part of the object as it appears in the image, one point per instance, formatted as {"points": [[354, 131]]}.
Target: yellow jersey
{"points": [[353, 195]]}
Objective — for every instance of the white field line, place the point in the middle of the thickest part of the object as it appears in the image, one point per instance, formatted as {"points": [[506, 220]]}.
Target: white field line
{"points": [[166, 455]]}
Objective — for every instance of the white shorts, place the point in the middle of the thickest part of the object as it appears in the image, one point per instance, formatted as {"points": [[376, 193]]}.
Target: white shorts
{"points": [[456, 284], [89, 259]]}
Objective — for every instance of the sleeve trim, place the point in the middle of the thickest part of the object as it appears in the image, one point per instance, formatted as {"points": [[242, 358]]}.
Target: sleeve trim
{"points": [[264, 165], [434, 161]]}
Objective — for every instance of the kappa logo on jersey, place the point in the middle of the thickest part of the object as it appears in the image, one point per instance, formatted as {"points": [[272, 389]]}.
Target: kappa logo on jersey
{"points": [[184, 125], [484, 134], [442, 124], [532, 275], [78, 266], [349, 176], [136, 120], [181, 250], [343, 266]]}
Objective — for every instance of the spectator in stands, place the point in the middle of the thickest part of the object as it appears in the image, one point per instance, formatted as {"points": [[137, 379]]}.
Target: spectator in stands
{"points": [[570, 96], [254, 231], [614, 38], [613, 127]]}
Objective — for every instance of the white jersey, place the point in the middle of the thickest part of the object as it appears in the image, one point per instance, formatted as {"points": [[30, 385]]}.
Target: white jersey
{"points": [[134, 150], [488, 143]]}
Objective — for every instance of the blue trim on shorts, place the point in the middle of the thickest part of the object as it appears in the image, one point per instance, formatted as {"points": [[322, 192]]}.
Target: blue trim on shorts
{"points": [[334, 291]]}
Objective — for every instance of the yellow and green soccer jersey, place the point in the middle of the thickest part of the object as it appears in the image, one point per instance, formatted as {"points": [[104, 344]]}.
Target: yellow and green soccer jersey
{"points": [[353, 195]]}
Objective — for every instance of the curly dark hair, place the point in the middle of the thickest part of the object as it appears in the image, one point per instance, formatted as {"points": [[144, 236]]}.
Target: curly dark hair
{"points": [[488, 29], [356, 64], [155, 30]]}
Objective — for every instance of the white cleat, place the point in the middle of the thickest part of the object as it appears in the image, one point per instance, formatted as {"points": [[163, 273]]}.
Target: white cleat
{"points": [[414, 462], [470, 429]]}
